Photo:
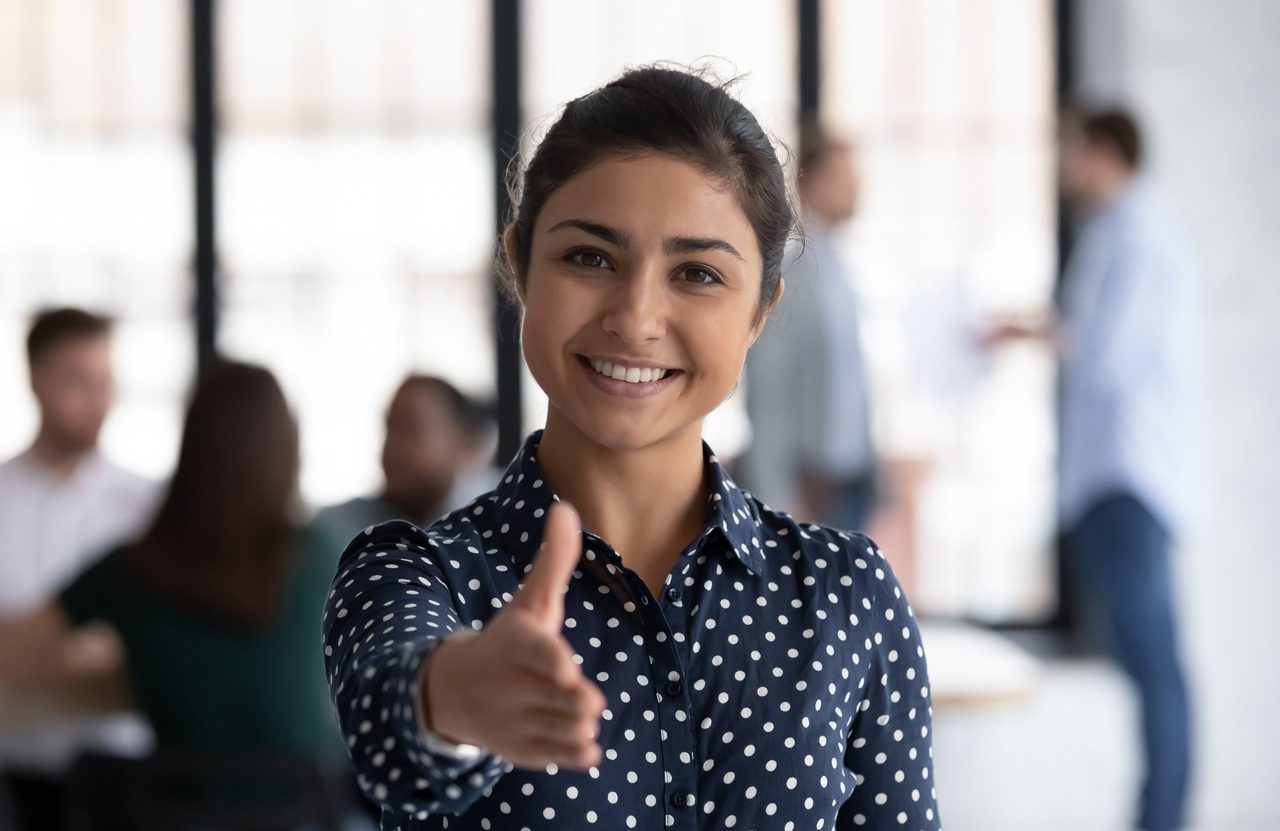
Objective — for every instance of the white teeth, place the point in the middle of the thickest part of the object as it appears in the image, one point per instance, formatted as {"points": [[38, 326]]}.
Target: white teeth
{"points": [[632, 375]]}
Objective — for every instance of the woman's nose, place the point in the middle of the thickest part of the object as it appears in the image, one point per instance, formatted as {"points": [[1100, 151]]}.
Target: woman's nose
{"points": [[638, 310]]}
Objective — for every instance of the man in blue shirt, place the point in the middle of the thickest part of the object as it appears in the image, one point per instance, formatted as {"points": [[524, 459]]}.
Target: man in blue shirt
{"points": [[1126, 335], [812, 452]]}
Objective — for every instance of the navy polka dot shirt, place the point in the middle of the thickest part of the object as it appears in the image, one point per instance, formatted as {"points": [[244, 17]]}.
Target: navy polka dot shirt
{"points": [[776, 682]]}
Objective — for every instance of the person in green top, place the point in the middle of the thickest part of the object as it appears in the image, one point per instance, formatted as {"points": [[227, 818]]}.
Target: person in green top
{"points": [[217, 604]]}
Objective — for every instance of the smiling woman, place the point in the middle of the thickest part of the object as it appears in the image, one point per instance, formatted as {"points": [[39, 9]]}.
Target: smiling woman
{"points": [[674, 653], [642, 262]]}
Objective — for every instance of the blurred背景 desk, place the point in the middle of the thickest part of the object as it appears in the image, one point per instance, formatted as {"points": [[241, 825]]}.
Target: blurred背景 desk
{"points": [[971, 666]]}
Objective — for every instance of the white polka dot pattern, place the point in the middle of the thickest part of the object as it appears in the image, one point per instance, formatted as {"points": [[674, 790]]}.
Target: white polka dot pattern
{"points": [[777, 682]]}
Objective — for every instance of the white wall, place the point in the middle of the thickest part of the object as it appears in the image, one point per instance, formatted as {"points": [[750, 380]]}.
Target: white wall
{"points": [[1205, 79]]}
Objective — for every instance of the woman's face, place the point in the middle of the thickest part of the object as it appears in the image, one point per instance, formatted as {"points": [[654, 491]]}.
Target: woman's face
{"points": [[640, 299]]}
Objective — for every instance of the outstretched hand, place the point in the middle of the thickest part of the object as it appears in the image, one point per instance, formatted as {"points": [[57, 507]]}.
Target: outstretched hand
{"points": [[514, 687]]}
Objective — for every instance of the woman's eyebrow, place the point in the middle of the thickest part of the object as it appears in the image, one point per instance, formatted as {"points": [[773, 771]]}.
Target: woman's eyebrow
{"points": [[610, 235], [692, 245]]}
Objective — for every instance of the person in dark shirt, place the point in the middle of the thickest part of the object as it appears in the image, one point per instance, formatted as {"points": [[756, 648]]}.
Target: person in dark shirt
{"points": [[669, 652], [434, 436], [216, 604]]}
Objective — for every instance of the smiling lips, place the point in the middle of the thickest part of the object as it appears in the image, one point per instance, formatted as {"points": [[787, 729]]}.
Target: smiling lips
{"points": [[630, 374]]}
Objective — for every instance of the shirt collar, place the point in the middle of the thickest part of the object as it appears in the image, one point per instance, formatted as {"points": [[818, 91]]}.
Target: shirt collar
{"points": [[523, 496], [87, 467], [1120, 201]]}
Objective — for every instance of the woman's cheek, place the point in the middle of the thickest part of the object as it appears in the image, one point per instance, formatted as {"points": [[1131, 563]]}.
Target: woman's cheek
{"points": [[532, 330], [544, 333], [729, 349]]}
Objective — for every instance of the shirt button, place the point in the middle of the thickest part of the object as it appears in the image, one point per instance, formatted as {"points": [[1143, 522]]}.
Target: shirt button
{"points": [[679, 799], [674, 688], [673, 594]]}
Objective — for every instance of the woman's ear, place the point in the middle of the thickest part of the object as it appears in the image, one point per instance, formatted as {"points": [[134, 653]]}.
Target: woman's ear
{"points": [[767, 310], [509, 247]]}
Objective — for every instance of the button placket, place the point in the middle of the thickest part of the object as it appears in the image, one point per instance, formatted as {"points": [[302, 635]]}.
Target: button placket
{"points": [[679, 749], [661, 621]]}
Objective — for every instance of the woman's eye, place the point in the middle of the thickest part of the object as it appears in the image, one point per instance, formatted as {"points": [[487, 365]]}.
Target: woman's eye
{"points": [[588, 259], [699, 276]]}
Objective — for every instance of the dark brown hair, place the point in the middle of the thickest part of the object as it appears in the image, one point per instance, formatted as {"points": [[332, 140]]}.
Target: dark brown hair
{"points": [[1117, 129], [674, 112], [51, 327], [223, 538]]}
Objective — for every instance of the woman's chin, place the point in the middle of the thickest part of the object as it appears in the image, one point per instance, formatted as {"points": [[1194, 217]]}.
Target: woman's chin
{"points": [[624, 434], [625, 437]]}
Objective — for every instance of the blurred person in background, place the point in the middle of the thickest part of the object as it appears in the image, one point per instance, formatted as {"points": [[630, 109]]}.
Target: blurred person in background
{"points": [[815, 460], [431, 459], [1126, 333], [62, 503], [216, 603]]}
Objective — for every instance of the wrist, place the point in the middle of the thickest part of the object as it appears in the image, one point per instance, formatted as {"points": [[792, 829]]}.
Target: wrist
{"points": [[437, 692]]}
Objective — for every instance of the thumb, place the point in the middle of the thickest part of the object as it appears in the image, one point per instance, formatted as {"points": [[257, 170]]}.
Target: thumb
{"points": [[543, 589]]}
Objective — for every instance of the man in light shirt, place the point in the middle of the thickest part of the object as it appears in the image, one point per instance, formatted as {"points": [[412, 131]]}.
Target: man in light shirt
{"points": [[811, 452], [61, 505], [1127, 336]]}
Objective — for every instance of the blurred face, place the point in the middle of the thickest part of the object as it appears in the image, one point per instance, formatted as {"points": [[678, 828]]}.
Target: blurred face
{"points": [[641, 299], [1074, 163], [74, 387], [424, 447], [831, 187]]}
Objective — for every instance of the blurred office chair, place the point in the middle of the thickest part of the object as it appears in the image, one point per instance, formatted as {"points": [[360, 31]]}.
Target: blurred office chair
{"points": [[189, 791]]}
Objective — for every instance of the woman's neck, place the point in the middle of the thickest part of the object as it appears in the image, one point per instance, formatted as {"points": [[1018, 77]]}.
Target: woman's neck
{"points": [[647, 503]]}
